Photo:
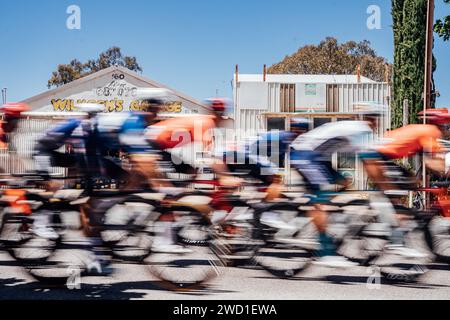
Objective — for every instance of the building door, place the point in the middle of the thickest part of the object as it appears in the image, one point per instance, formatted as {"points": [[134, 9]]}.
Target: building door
{"points": [[332, 98], [287, 97]]}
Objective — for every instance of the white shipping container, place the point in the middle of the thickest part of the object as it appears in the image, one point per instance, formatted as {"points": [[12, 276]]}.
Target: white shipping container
{"points": [[336, 97]]}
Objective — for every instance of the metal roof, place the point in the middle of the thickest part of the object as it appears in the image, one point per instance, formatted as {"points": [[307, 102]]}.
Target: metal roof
{"points": [[304, 78], [111, 70]]}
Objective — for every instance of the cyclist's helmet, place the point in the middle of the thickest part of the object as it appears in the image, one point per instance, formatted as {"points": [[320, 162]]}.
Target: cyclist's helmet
{"points": [[14, 110], [436, 116], [218, 106], [90, 108], [153, 99]]}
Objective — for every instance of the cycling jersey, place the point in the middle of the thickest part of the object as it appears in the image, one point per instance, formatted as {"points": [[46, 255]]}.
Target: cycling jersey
{"points": [[343, 136], [409, 140], [3, 138], [93, 139], [311, 151], [123, 131], [57, 136], [272, 143], [178, 132]]}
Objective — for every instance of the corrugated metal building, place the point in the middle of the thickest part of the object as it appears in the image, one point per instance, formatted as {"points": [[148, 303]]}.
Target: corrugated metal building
{"points": [[266, 102], [115, 87]]}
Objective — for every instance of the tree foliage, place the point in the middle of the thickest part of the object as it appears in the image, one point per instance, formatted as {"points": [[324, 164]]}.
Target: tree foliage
{"points": [[331, 57], [442, 26], [74, 70], [410, 21]]}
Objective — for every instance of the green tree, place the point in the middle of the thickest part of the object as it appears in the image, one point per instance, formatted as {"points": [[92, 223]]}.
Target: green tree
{"points": [[442, 26], [67, 73], [331, 57], [409, 24], [410, 21]]}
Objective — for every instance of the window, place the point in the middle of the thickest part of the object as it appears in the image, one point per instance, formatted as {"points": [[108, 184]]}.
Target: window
{"points": [[287, 97], [346, 161], [276, 124], [321, 121]]}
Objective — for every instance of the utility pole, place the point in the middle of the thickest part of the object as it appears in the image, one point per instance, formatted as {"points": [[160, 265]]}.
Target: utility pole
{"points": [[428, 56], [4, 95], [427, 80]]}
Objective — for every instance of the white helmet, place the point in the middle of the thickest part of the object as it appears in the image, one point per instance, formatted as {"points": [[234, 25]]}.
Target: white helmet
{"points": [[154, 94], [90, 108]]}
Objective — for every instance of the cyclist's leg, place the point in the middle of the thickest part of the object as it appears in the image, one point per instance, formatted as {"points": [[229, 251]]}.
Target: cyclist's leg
{"points": [[263, 170], [374, 164], [312, 171]]}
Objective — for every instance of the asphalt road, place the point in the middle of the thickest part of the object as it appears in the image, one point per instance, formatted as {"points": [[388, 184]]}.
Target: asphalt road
{"points": [[134, 282]]}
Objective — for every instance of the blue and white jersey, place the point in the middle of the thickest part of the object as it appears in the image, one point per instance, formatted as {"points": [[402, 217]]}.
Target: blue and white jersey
{"points": [[124, 131], [119, 131], [343, 136], [272, 143]]}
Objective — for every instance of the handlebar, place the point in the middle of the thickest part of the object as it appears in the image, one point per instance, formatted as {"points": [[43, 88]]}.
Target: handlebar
{"points": [[443, 184]]}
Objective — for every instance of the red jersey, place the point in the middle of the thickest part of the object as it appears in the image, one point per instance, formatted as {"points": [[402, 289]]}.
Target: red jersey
{"points": [[178, 132]]}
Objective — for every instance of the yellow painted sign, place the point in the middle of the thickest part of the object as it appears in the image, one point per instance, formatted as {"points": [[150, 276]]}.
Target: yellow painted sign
{"points": [[115, 105]]}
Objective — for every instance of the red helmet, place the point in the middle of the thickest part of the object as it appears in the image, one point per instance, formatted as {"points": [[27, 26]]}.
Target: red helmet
{"points": [[436, 116], [217, 105], [14, 110]]}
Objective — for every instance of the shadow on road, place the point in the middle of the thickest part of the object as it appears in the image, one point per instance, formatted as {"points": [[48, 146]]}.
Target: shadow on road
{"points": [[420, 282], [19, 289]]}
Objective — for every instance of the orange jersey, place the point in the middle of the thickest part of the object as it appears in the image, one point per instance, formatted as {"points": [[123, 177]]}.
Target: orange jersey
{"points": [[409, 140], [17, 196], [3, 144], [178, 132]]}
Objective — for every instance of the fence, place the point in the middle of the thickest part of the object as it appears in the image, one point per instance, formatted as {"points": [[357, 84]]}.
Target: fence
{"points": [[19, 157]]}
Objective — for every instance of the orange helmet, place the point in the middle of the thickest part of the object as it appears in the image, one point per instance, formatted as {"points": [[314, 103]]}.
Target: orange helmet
{"points": [[436, 116]]}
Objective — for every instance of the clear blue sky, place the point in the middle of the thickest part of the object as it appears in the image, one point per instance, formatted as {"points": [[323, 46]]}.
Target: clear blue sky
{"points": [[190, 45]]}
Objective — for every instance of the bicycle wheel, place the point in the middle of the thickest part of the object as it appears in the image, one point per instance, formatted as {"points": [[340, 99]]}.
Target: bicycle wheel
{"points": [[403, 267], [189, 261], [46, 260], [23, 244], [233, 242], [362, 238], [127, 228], [437, 237], [288, 240]]}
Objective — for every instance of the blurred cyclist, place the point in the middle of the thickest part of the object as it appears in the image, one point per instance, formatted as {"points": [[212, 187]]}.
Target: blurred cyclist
{"points": [[260, 159], [96, 135], [12, 113], [408, 141], [312, 158], [172, 136], [403, 143]]}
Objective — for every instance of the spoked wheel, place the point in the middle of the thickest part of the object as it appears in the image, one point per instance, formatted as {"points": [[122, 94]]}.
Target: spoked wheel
{"points": [[399, 268], [23, 244], [362, 249], [234, 243], [127, 229], [183, 257], [288, 240], [44, 259], [437, 237], [64, 268], [361, 239]]}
